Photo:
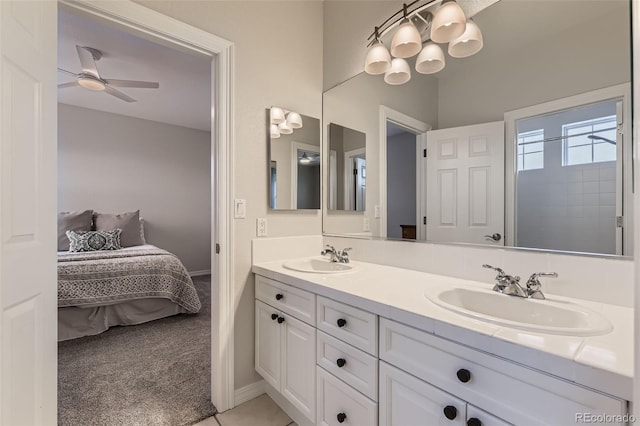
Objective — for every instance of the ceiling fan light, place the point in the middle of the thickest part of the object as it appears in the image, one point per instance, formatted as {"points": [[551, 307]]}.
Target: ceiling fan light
{"points": [[275, 132], [305, 158], [277, 115], [448, 23], [399, 73], [406, 41], [284, 128], [469, 43], [378, 59], [91, 83], [294, 120], [431, 59]]}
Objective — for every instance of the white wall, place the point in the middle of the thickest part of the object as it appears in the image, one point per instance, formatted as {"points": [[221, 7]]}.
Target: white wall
{"points": [[401, 183], [113, 164], [278, 61]]}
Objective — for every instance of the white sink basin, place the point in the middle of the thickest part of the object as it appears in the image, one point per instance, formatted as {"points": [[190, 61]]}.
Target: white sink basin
{"points": [[318, 266], [541, 316]]}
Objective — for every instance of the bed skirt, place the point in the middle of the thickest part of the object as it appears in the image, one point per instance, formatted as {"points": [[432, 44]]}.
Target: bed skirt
{"points": [[74, 322]]}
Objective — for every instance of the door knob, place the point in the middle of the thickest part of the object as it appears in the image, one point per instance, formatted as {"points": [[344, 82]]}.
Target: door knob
{"points": [[494, 237]]}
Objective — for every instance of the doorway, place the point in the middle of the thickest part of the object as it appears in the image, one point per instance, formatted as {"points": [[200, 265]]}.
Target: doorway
{"points": [[402, 160]]}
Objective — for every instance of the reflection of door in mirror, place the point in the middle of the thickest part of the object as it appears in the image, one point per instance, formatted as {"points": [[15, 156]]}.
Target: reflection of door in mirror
{"points": [[569, 185], [347, 169]]}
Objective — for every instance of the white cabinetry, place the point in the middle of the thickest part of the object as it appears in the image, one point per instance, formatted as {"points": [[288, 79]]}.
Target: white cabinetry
{"points": [[285, 352]]}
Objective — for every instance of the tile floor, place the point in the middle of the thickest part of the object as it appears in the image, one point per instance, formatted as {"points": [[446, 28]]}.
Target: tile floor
{"points": [[261, 411]]}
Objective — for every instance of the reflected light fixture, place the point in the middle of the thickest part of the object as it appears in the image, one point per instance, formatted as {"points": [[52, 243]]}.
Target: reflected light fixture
{"points": [[431, 22], [282, 121], [305, 158], [275, 132], [284, 128], [294, 120], [277, 115]]}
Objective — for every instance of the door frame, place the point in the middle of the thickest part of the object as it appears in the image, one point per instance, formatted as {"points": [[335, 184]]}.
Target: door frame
{"points": [[163, 29], [295, 146], [411, 125], [624, 175], [349, 182]]}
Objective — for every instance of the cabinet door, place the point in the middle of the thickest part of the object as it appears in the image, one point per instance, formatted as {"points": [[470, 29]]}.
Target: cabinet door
{"points": [[268, 343], [298, 365], [407, 401], [482, 418]]}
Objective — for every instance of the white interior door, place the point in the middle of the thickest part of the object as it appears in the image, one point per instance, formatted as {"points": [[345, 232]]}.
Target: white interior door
{"points": [[28, 288], [465, 184]]}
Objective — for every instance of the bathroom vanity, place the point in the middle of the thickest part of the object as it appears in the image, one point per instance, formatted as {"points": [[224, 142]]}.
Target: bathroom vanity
{"points": [[368, 346]]}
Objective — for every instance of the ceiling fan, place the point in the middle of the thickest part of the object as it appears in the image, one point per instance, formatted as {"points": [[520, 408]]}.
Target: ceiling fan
{"points": [[90, 78]]}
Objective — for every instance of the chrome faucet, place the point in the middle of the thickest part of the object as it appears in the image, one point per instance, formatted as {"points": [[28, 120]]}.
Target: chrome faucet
{"points": [[508, 284], [338, 256]]}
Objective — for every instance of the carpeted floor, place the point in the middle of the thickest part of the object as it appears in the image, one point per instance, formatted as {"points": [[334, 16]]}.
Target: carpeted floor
{"points": [[157, 373]]}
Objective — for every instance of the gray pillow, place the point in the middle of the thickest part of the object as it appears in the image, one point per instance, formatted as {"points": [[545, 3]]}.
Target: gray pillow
{"points": [[72, 221], [128, 222], [94, 240]]}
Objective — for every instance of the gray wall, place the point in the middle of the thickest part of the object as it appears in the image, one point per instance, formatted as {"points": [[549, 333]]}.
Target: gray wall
{"points": [[401, 183], [111, 163]]}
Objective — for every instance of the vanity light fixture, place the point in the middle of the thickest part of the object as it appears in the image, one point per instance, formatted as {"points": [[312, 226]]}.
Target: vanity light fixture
{"points": [[418, 27], [283, 122], [277, 115], [275, 132], [284, 128], [294, 120]]}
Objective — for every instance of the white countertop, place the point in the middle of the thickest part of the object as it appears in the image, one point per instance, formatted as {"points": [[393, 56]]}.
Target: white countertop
{"points": [[600, 362]]}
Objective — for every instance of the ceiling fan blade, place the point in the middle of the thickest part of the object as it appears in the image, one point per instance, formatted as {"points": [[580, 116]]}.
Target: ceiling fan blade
{"points": [[68, 72], [133, 83], [71, 84], [118, 94], [87, 62]]}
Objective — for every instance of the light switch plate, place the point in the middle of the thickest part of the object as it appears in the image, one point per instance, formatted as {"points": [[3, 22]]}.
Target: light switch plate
{"points": [[261, 227], [240, 209], [376, 212]]}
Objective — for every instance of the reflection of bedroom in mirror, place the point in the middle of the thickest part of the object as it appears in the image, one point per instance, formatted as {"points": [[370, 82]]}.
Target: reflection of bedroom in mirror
{"points": [[134, 228]]}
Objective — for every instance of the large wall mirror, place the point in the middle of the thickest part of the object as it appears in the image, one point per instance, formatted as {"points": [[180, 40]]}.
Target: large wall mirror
{"points": [[294, 161], [527, 143]]}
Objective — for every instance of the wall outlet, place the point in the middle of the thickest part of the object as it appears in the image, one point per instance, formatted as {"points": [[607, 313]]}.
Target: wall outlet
{"points": [[376, 212], [366, 225], [261, 227], [240, 209]]}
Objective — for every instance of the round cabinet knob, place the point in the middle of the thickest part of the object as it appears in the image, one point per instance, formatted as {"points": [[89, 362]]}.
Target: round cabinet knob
{"points": [[341, 322], [341, 362], [280, 320], [473, 421], [450, 412], [463, 375], [341, 417], [274, 316], [279, 296]]}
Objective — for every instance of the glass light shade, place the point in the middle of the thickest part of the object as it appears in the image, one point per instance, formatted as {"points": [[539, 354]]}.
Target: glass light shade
{"points": [[430, 60], [294, 120], [399, 73], [275, 132], [378, 59], [277, 115], [469, 43], [305, 159], [406, 41], [284, 128], [91, 83], [448, 23]]}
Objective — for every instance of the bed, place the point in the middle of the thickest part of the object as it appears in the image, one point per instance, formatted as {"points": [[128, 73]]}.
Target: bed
{"points": [[132, 285]]}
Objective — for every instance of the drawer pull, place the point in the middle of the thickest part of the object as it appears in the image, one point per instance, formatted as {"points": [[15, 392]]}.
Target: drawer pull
{"points": [[473, 421], [341, 322], [341, 417], [279, 296], [280, 320], [450, 412], [463, 375], [341, 362], [274, 316]]}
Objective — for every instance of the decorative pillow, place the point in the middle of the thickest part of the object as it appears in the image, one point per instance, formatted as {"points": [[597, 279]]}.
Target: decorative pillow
{"points": [[72, 221], [128, 222], [94, 240]]}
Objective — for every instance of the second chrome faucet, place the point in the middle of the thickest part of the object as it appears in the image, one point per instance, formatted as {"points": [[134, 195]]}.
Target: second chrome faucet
{"points": [[510, 284]]}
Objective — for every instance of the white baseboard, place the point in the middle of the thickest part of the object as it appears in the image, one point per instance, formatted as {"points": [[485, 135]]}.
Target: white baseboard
{"points": [[200, 273], [249, 392]]}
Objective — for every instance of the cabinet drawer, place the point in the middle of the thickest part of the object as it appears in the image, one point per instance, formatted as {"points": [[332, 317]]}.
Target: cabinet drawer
{"points": [[339, 404], [518, 394], [354, 326], [349, 364], [293, 301]]}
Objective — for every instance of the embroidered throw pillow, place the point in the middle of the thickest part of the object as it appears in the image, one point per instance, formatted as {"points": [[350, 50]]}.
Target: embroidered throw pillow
{"points": [[94, 240]]}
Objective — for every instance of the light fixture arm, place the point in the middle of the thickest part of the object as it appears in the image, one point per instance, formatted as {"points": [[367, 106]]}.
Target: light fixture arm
{"points": [[397, 17]]}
